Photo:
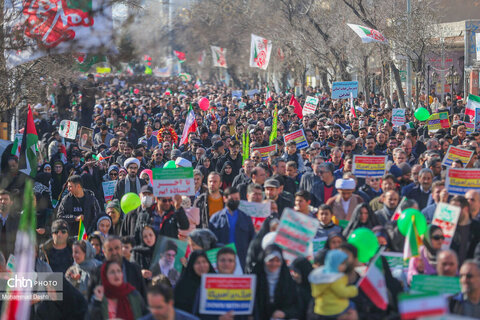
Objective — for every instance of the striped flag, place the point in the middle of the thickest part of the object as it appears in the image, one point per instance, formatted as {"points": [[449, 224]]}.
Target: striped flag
{"points": [[24, 256], [268, 95], [412, 241], [190, 125], [367, 34], [352, 106], [82, 233], [168, 92], [472, 103], [27, 162], [198, 84], [413, 306], [373, 284], [180, 56]]}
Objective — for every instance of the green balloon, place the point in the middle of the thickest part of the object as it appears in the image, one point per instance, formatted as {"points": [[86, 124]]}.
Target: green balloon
{"points": [[422, 114], [170, 164], [366, 243], [405, 220], [130, 201]]}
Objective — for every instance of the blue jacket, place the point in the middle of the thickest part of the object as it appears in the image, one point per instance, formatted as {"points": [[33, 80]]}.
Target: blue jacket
{"points": [[318, 194], [244, 232], [179, 315], [429, 211]]}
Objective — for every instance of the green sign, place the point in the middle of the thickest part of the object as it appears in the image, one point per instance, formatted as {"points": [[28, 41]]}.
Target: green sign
{"points": [[172, 173], [168, 182], [435, 284]]}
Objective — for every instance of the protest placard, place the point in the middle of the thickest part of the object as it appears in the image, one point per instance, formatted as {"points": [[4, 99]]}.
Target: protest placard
{"points": [[264, 151], [166, 256], [398, 117], [257, 211], [168, 182], [212, 257], [438, 121], [108, 189], [237, 93], [221, 293], [294, 234], [456, 153], [369, 166], [310, 105], [446, 217], [435, 284], [477, 119], [85, 142], [252, 92], [395, 260], [470, 126], [299, 138], [459, 181], [68, 129], [341, 90]]}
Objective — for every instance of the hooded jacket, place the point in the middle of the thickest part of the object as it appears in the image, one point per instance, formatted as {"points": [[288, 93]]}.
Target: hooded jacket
{"points": [[83, 269]]}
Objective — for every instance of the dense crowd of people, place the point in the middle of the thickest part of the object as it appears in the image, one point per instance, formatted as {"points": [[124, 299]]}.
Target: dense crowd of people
{"points": [[137, 125]]}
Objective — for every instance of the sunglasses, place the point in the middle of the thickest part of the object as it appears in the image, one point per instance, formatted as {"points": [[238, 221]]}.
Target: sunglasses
{"points": [[63, 231], [167, 200], [256, 158], [438, 237], [113, 174]]}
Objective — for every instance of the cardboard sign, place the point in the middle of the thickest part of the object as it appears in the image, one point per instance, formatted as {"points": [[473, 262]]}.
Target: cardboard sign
{"points": [[398, 117], [310, 105], [221, 293], [108, 190], [68, 129], [369, 166], [168, 182], [341, 90], [299, 138], [170, 266], [294, 234], [257, 211], [469, 126], [212, 257], [446, 217], [435, 284], [395, 260], [456, 153], [85, 141], [459, 181], [264, 151], [438, 121]]}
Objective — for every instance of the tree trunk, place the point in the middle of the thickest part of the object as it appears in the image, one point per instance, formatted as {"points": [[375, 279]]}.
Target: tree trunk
{"points": [[325, 84], [398, 83]]}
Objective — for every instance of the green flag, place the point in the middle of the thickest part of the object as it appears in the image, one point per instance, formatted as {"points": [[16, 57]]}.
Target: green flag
{"points": [[273, 134]]}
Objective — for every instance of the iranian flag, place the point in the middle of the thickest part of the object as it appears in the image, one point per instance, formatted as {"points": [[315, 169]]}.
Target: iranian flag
{"points": [[180, 56], [373, 284], [352, 106], [82, 233], [412, 241], [219, 57], [260, 50], [413, 306], [268, 95], [27, 162], [198, 84], [190, 125], [297, 107], [168, 92], [472, 103], [24, 257], [368, 34]]}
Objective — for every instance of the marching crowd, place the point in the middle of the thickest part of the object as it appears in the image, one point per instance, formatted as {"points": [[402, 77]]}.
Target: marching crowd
{"points": [[116, 272]]}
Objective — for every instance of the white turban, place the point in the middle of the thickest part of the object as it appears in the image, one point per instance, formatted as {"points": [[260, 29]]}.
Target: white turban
{"points": [[131, 160], [182, 162], [346, 184]]}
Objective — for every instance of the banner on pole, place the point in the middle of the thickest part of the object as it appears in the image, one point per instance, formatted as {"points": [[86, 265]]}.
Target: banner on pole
{"points": [[310, 105], [299, 138], [341, 90], [369, 166], [459, 180], [168, 182]]}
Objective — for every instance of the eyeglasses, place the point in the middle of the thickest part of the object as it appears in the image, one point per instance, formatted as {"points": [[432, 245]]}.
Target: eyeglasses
{"points": [[438, 237], [167, 200], [256, 158], [63, 231], [112, 174]]}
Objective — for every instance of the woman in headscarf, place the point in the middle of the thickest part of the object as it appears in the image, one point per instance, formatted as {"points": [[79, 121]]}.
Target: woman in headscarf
{"points": [[187, 288], [112, 173], [334, 240], [274, 296], [59, 178], [362, 216], [114, 212], [122, 173], [104, 224], [300, 269], [426, 262], [143, 253], [205, 166], [383, 237], [79, 274], [115, 299], [227, 175], [96, 241], [146, 175]]}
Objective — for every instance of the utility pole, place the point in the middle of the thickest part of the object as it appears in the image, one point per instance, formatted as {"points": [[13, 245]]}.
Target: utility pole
{"points": [[409, 63]]}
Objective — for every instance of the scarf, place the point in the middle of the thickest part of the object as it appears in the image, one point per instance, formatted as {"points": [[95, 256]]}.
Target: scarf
{"points": [[120, 293], [272, 280], [127, 184]]}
